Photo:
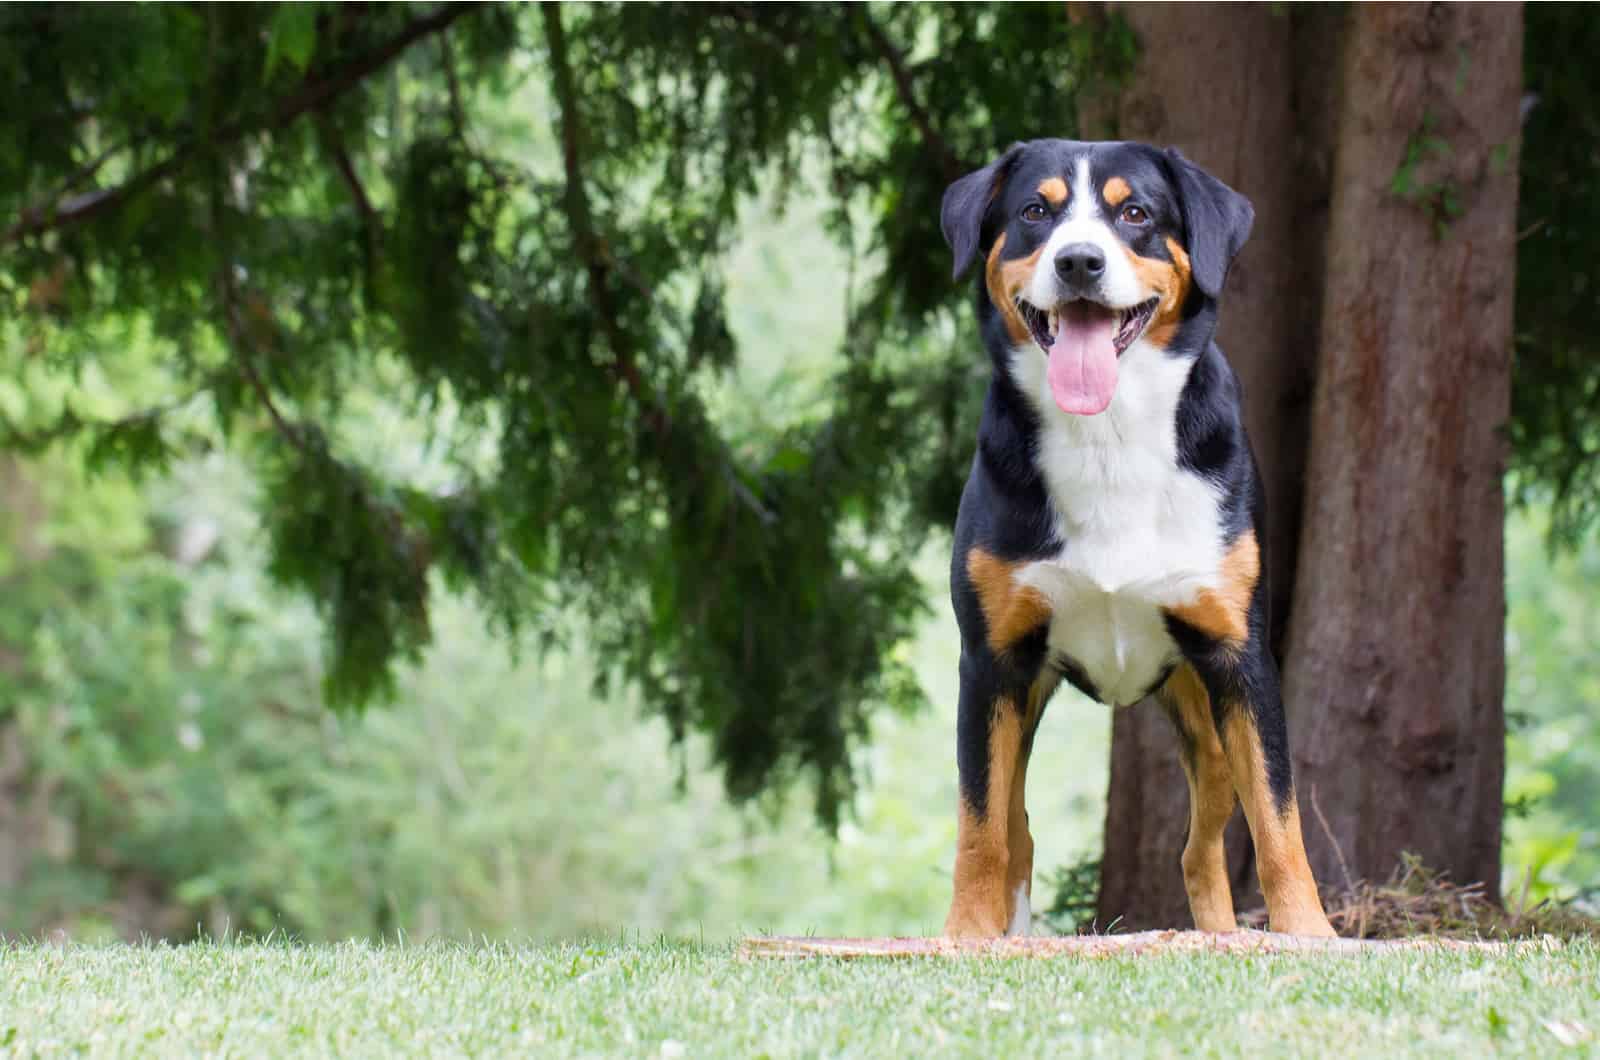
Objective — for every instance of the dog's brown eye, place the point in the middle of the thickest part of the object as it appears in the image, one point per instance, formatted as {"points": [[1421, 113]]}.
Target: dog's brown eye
{"points": [[1034, 212], [1134, 215]]}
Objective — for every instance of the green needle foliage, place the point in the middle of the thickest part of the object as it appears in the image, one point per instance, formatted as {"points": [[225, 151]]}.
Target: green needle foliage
{"points": [[1555, 432], [516, 220]]}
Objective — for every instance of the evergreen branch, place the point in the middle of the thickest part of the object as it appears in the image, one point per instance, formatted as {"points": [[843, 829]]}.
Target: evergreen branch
{"points": [[580, 217], [312, 96], [372, 225], [935, 143], [458, 113], [352, 180], [89, 169], [240, 342], [244, 351], [69, 424], [592, 252]]}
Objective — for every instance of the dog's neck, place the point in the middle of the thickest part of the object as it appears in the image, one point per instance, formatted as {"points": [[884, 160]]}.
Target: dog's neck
{"points": [[1139, 426]]}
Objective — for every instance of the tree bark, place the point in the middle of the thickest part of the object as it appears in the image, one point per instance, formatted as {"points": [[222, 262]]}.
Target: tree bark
{"points": [[1396, 661], [25, 807], [1240, 127]]}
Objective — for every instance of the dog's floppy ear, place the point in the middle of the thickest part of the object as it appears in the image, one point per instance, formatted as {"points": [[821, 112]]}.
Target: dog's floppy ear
{"points": [[1216, 222], [965, 203]]}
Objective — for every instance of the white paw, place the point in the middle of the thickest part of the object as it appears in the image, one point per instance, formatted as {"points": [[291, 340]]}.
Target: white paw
{"points": [[1022, 918]]}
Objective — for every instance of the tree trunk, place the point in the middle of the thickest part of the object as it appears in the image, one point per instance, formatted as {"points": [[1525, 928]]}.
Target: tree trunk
{"points": [[1396, 667], [24, 796], [1240, 128]]}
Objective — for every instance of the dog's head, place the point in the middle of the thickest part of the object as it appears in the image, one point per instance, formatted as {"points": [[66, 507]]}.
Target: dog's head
{"points": [[1091, 248]]}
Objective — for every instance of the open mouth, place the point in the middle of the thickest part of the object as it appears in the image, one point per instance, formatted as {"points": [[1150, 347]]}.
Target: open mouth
{"points": [[1130, 322]]}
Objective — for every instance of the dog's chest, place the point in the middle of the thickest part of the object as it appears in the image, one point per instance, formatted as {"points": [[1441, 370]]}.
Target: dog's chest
{"points": [[1140, 534]]}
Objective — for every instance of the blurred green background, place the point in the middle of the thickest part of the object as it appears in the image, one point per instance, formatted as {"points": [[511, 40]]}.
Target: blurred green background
{"points": [[174, 769], [185, 775]]}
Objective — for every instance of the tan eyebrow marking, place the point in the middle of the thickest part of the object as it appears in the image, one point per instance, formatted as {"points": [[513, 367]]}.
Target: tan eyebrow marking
{"points": [[1116, 190], [1054, 191]]}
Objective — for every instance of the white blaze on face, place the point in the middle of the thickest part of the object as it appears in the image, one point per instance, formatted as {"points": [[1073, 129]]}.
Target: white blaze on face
{"points": [[1085, 223], [1082, 348]]}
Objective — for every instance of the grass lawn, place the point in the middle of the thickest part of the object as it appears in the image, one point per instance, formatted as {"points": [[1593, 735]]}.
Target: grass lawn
{"points": [[670, 999]]}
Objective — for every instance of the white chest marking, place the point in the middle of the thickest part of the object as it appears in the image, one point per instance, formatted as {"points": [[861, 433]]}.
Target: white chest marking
{"points": [[1141, 533]]}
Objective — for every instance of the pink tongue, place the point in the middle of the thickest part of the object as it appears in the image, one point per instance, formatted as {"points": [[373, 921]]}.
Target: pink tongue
{"points": [[1083, 359]]}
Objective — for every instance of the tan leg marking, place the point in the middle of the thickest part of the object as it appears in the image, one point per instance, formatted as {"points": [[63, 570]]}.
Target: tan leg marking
{"points": [[1010, 611], [1019, 840], [1293, 905], [1116, 191], [1223, 613], [1005, 280], [983, 900], [1205, 862], [1054, 191]]}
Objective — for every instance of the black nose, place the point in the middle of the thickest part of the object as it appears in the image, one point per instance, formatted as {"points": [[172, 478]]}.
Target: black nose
{"points": [[1080, 263]]}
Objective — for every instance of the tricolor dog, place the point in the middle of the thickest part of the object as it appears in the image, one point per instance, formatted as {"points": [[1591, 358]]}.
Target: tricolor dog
{"points": [[1110, 530]]}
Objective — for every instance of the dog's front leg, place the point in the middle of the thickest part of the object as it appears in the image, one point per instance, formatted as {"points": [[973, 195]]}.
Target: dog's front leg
{"points": [[1223, 638], [989, 750], [1211, 798], [1249, 711], [1257, 743]]}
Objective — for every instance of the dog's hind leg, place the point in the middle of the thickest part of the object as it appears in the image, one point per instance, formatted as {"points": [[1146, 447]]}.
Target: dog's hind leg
{"points": [[1211, 798], [990, 731]]}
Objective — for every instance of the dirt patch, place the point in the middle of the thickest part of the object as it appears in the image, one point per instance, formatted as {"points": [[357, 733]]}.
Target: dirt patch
{"points": [[1135, 944]]}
